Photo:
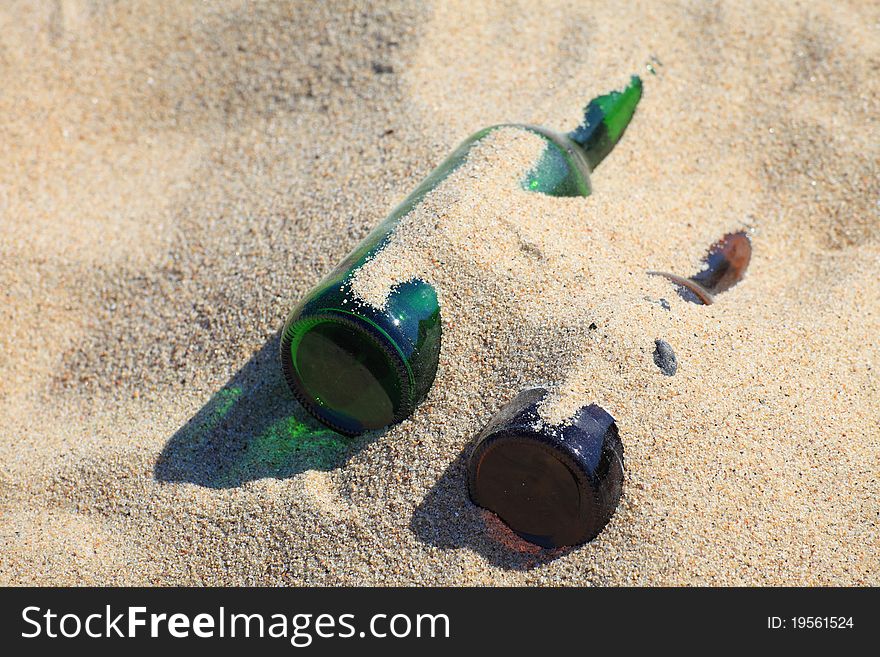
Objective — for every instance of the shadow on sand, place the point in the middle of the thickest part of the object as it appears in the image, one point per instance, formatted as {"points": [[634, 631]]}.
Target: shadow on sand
{"points": [[251, 429], [447, 519]]}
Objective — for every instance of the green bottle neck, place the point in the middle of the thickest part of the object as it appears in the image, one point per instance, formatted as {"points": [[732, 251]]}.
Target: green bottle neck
{"points": [[605, 120]]}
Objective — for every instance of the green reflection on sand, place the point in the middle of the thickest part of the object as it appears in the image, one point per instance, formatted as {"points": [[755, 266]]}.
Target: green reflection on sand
{"points": [[216, 409], [241, 436], [286, 447]]}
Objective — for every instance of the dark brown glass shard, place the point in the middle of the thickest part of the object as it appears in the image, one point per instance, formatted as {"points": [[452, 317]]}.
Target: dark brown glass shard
{"points": [[724, 266]]}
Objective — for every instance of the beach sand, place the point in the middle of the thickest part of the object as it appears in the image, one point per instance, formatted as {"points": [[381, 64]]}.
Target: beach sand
{"points": [[175, 176]]}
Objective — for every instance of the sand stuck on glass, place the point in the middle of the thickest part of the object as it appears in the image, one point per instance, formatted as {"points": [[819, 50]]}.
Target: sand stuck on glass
{"points": [[174, 178]]}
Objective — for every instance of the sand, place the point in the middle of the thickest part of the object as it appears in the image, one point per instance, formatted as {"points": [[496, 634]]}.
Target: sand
{"points": [[174, 177]]}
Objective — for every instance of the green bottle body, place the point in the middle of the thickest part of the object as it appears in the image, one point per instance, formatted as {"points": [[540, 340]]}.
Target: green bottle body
{"points": [[356, 367]]}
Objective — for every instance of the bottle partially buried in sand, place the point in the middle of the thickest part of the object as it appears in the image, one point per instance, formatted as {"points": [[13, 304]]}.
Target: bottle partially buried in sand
{"points": [[356, 367], [553, 485]]}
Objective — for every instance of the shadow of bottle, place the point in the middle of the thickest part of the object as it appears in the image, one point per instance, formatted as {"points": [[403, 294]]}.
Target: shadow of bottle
{"points": [[252, 429], [448, 519]]}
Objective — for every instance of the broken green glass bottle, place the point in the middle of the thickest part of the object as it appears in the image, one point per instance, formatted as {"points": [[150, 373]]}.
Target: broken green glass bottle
{"points": [[356, 367]]}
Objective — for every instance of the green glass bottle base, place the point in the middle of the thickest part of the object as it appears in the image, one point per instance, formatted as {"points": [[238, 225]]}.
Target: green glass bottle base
{"points": [[346, 372]]}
